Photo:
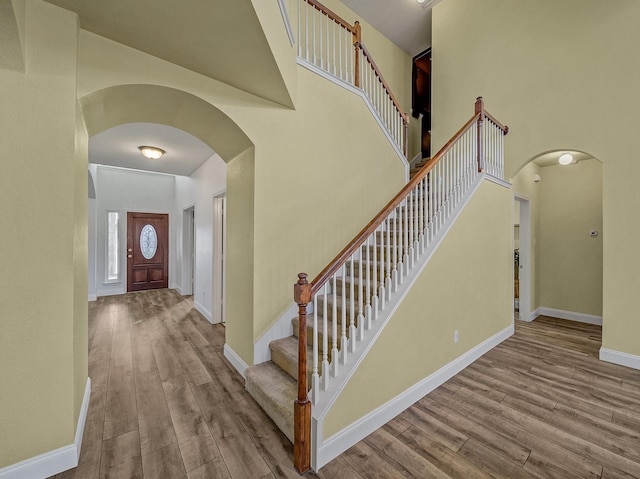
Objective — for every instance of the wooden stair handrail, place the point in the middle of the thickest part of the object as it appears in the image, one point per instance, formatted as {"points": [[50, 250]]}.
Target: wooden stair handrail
{"points": [[365, 52], [332, 15]]}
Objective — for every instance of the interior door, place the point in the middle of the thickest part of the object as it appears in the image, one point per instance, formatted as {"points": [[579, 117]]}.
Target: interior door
{"points": [[147, 251]]}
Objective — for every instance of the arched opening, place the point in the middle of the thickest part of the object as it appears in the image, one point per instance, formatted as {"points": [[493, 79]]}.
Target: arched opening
{"points": [[562, 260], [124, 184]]}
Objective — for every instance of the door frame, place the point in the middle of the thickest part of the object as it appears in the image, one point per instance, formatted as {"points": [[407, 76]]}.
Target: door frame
{"points": [[188, 250], [524, 274], [219, 239]]}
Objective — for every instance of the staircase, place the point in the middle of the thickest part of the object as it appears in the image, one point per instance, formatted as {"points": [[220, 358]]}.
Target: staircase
{"points": [[415, 168], [347, 305], [273, 384]]}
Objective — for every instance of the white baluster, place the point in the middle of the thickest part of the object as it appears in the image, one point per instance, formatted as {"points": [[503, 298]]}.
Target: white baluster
{"points": [[383, 264], [315, 378], [343, 336], [360, 325], [396, 227], [352, 305], [407, 244], [299, 39], [374, 280], [325, 338], [306, 30], [367, 310], [334, 328], [387, 281], [411, 231]]}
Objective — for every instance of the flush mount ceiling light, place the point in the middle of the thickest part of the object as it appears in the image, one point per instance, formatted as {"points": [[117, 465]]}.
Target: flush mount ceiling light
{"points": [[427, 3], [565, 159], [151, 152]]}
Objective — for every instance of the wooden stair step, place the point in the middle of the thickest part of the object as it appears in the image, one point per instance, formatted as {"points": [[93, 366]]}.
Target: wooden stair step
{"points": [[284, 353], [275, 391]]}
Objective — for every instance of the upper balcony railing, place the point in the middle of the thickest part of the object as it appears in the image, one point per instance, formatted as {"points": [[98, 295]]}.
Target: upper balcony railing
{"points": [[333, 45]]}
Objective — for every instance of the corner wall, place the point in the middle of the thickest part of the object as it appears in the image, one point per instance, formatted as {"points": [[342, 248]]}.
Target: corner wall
{"points": [[43, 197]]}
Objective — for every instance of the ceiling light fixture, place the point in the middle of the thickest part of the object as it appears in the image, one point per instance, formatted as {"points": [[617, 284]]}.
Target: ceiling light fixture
{"points": [[151, 152], [565, 159], [427, 3]]}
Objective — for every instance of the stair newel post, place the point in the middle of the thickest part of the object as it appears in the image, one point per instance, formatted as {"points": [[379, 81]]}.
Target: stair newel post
{"points": [[357, 38], [302, 406], [479, 108]]}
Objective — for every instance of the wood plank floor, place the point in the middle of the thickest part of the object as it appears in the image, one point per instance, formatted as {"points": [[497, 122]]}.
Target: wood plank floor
{"points": [[166, 404]]}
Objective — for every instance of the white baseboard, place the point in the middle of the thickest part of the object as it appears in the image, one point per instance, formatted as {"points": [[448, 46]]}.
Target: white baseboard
{"points": [[534, 314], [570, 315], [203, 311], [93, 296], [617, 357], [176, 287], [234, 359], [112, 292], [56, 461], [343, 440], [278, 330]]}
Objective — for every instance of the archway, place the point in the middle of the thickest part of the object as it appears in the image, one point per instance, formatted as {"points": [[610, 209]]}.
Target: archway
{"points": [[565, 234], [144, 103]]}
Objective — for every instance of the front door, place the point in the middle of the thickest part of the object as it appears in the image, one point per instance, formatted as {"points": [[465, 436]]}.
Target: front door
{"points": [[147, 251]]}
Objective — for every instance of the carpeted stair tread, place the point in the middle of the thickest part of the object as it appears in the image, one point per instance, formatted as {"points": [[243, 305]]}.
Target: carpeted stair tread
{"points": [[275, 391]]}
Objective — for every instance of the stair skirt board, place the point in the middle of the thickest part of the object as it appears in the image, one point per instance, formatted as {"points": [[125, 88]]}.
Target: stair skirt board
{"points": [[281, 328], [56, 461], [324, 452]]}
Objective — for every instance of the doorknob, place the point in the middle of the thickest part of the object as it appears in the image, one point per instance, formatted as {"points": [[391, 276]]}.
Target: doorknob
{"points": [[129, 250], [129, 256]]}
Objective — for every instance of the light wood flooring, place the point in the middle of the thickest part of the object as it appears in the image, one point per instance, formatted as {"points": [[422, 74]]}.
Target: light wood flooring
{"points": [[166, 404]]}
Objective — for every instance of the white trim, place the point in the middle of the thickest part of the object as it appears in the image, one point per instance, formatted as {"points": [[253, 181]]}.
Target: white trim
{"points": [[499, 181], [56, 461], [93, 296], [570, 315], [352, 434], [235, 360], [112, 292], [281, 328], [202, 310], [310, 66], [176, 286], [618, 357], [287, 23], [336, 385], [534, 314]]}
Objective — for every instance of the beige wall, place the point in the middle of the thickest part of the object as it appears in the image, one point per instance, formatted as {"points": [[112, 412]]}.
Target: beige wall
{"points": [[458, 289], [562, 75], [570, 259], [43, 198]]}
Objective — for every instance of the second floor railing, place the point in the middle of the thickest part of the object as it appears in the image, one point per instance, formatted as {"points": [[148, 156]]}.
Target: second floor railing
{"points": [[333, 45]]}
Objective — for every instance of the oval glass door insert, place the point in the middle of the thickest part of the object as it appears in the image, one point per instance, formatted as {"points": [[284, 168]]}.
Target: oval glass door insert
{"points": [[148, 241]]}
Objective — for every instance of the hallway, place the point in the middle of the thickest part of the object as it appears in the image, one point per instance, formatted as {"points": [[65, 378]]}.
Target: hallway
{"points": [[166, 404]]}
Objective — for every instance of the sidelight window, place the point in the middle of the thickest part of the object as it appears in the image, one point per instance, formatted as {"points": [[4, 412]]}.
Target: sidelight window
{"points": [[113, 266]]}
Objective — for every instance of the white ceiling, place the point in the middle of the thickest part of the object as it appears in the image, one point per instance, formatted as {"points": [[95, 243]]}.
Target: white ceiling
{"points": [[551, 159], [118, 146], [404, 22]]}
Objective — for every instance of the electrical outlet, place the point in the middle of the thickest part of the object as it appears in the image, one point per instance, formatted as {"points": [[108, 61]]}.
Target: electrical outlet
{"points": [[455, 336]]}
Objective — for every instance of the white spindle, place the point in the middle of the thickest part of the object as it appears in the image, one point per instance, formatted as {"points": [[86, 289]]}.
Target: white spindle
{"points": [[334, 328], [374, 280], [325, 338], [315, 378], [343, 336], [352, 305], [360, 325], [383, 270], [367, 310]]}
